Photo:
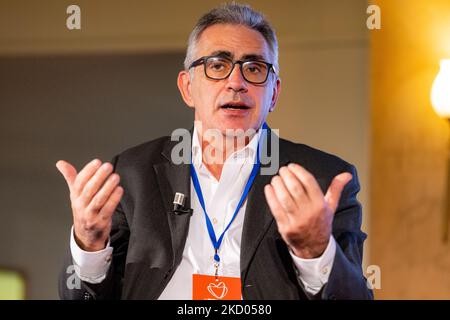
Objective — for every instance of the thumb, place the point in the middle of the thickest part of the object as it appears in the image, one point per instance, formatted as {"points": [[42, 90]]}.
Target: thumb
{"points": [[68, 171], [334, 191]]}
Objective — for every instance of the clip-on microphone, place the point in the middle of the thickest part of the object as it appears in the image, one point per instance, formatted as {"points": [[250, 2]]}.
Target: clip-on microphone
{"points": [[178, 205]]}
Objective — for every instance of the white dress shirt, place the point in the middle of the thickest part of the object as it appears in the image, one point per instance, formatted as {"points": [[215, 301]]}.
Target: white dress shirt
{"points": [[221, 198]]}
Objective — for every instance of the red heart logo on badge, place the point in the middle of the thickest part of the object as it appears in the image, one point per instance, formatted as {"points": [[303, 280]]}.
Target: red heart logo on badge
{"points": [[218, 290]]}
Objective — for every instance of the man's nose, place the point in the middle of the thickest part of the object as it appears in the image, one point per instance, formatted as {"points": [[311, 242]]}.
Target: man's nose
{"points": [[236, 81]]}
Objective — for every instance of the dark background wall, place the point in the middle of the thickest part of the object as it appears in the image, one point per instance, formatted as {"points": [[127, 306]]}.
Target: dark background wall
{"points": [[74, 108]]}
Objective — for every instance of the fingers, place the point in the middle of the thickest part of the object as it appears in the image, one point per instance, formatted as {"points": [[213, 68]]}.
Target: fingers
{"points": [[283, 195], [289, 192], [335, 189], [85, 174], [308, 181], [68, 171], [104, 193], [94, 195], [112, 202], [303, 214], [275, 206], [293, 185], [95, 182], [295, 188]]}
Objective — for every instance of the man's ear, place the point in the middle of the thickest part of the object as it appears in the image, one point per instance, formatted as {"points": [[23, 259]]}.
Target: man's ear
{"points": [[184, 85], [275, 94]]}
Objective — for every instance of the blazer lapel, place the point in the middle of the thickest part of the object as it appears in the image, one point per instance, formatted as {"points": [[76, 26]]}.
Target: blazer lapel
{"points": [[258, 217], [174, 178], [257, 220]]}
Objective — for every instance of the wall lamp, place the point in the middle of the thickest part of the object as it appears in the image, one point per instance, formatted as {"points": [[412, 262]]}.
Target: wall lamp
{"points": [[440, 99]]}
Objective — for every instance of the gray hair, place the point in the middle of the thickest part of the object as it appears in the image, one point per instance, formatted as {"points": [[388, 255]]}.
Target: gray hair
{"points": [[233, 13]]}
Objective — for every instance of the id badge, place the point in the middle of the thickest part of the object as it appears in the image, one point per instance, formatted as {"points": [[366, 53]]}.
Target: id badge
{"points": [[206, 287]]}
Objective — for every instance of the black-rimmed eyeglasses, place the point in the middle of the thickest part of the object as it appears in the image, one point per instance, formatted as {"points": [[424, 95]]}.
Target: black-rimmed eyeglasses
{"points": [[219, 68]]}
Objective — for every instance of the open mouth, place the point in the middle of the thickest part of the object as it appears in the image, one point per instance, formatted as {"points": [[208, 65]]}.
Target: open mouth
{"points": [[232, 106]]}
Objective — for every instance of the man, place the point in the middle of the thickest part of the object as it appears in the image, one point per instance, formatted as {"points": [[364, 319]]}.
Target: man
{"points": [[292, 235]]}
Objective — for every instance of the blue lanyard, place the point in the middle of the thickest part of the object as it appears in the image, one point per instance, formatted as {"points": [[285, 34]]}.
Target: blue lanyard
{"points": [[216, 243]]}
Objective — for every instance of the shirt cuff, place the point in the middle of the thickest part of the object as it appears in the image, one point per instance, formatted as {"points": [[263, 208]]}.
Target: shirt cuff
{"points": [[314, 273], [90, 267]]}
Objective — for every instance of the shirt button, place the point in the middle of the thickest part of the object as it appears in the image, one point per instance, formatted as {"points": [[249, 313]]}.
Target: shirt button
{"points": [[325, 270], [214, 221], [108, 258]]}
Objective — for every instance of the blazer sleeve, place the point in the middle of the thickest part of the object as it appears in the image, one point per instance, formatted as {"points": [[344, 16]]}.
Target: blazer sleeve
{"points": [[346, 279]]}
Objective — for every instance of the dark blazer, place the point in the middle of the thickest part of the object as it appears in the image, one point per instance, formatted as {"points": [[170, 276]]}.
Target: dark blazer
{"points": [[148, 239]]}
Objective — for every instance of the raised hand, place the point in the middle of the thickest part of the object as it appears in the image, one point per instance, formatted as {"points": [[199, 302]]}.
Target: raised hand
{"points": [[94, 195], [303, 214]]}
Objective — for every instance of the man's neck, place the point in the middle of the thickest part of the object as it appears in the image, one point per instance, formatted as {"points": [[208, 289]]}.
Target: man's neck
{"points": [[215, 153]]}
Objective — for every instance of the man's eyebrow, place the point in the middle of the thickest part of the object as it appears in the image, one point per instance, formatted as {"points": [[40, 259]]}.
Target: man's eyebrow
{"points": [[229, 55], [223, 54], [253, 57]]}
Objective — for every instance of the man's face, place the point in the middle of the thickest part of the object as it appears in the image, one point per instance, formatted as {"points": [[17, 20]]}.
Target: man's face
{"points": [[212, 98]]}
